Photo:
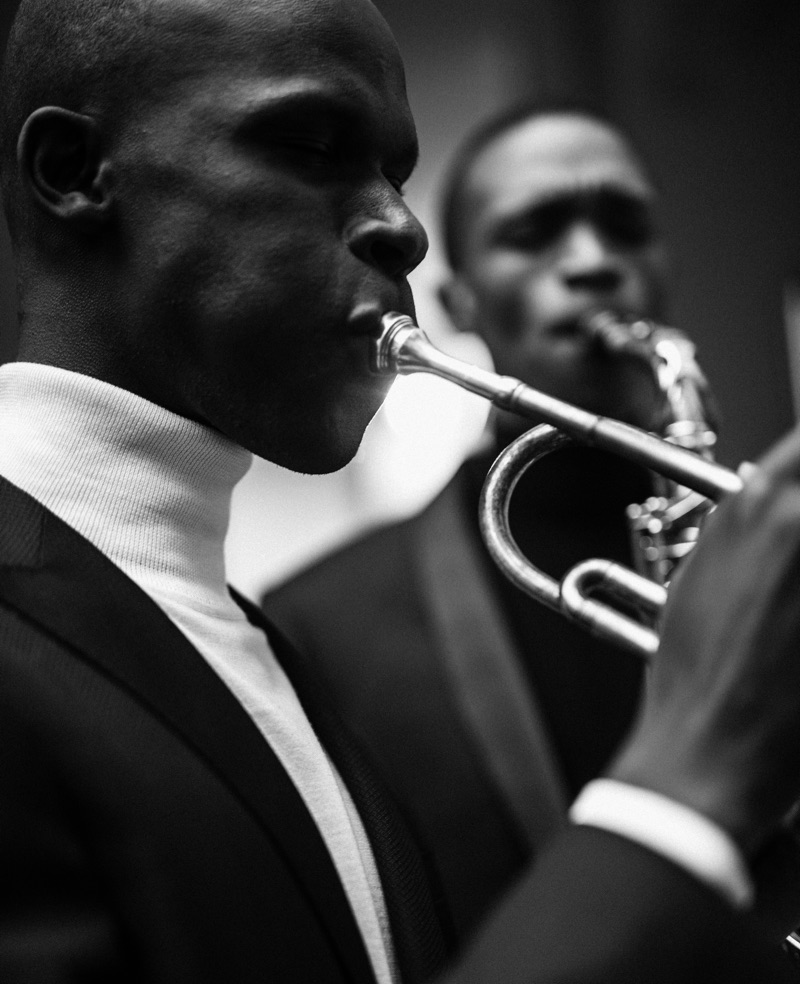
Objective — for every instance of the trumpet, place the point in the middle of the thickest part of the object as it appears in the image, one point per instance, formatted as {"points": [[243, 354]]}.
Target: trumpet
{"points": [[403, 347]]}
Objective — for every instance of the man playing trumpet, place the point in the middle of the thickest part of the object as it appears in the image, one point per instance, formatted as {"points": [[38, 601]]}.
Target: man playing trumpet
{"points": [[205, 201]]}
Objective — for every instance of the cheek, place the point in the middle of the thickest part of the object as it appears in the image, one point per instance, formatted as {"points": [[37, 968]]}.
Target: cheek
{"points": [[274, 261], [512, 295], [648, 277], [239, 246], [262, 291]]}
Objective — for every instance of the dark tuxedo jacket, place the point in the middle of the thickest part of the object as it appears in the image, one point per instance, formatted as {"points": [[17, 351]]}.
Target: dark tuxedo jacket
{"points": [[147, 832], [146, 828]]}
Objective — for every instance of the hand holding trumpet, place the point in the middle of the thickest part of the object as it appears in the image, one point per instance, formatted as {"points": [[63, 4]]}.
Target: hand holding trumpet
{"points": [[720, 725]]}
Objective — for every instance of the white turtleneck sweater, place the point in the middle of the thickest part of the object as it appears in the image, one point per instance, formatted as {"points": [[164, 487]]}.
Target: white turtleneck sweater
{"points": [[152, 491]]}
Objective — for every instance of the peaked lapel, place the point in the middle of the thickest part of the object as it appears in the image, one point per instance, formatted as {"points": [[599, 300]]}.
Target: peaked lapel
{"points": [[59, 580], [481, 659]]}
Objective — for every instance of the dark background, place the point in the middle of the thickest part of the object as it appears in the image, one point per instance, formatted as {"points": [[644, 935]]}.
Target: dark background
{"points": [[710, 93]]}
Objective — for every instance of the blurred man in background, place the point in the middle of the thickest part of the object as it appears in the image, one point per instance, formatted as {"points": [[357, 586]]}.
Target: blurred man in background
{"points": [[548, 216]]}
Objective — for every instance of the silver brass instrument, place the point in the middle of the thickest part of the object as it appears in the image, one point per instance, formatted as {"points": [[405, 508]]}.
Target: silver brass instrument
{"points": [[665, 527], [691, 481], [402, 347]]}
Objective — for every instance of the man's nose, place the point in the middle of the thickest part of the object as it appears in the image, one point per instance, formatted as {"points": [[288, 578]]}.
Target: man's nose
{"points": [[589, 261], [393, 242]]}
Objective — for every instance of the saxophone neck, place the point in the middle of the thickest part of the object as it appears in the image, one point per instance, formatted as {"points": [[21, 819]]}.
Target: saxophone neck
{"points": [[685, 414], [665, 527]]}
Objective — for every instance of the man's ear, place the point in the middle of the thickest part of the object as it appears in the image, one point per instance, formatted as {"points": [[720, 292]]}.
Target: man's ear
{"points": [[458, 299], [61, 161]]}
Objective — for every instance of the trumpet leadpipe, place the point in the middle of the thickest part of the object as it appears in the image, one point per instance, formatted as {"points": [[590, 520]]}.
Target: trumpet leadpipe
{"points": [[402, 347]]}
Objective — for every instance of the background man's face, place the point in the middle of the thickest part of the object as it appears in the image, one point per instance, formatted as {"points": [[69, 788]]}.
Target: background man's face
{"points": [[259, 206], [558, 222]]}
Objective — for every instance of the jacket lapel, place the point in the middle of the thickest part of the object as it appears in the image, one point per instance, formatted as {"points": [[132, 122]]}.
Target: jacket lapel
{"points": [[59, 580], [484, 668], [419, 923]]}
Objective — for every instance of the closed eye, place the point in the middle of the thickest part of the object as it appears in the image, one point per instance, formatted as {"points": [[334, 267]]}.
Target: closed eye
{"points": [[309, 145], [312, 150]]}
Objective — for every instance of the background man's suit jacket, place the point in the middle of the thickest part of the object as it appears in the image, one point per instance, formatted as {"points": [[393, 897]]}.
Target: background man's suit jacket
{"points": [[148, 833]]}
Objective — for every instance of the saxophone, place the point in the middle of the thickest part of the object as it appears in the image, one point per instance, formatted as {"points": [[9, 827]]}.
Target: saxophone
{"points": [[666, 526]]}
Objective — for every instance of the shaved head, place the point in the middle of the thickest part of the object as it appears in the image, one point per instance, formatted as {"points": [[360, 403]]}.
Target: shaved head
{"points": [[71, 53], [105, 57], [206, 202]]}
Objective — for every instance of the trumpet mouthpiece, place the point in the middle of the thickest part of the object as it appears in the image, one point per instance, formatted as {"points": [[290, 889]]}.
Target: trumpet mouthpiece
{"points": [[384, 349]]}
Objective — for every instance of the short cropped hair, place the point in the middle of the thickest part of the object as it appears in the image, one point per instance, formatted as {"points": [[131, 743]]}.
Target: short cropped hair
{"points": [[454, 187], [79, 54]]}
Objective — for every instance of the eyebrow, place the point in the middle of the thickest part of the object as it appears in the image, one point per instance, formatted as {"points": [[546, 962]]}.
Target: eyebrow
{"points": [[578, 196], [305, 100], [594, 190]]}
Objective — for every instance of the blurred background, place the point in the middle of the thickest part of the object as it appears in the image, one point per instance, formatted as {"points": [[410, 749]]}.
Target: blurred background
{"points": [[710, 94]]}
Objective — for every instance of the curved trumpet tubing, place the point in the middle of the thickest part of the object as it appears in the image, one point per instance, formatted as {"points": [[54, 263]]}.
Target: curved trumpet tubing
{"points": [[403, 348]]}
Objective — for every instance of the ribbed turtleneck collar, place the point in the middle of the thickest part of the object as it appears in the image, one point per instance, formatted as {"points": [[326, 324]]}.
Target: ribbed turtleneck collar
{"points": [[150, 489]]}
